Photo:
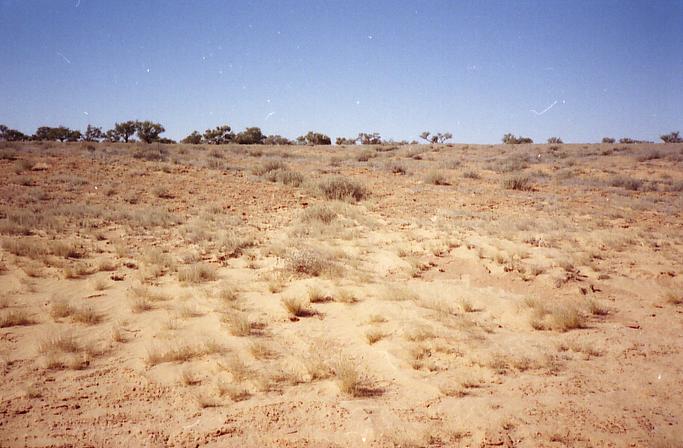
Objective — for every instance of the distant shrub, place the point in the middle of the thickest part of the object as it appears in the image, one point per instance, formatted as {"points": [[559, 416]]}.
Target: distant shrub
{"points": [[194, 138], [345, 141], [471, 175], [510, 139], [341, 188], [557, 140], [631, 141], [276, 140], [522, 183], [608, 140]]}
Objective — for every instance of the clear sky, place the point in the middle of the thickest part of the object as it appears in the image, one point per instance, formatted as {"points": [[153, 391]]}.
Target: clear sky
{"points": [[577, 69]]}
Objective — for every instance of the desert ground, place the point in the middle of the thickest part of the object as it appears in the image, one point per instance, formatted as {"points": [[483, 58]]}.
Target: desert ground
{"points": [[380, 296]]}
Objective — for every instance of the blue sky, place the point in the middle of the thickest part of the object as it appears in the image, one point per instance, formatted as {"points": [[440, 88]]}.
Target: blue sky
{"points": [[577, 69]]}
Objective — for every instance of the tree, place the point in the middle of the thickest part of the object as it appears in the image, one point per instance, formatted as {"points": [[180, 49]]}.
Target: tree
{"points": [[122, 131], [250, 136], [61, 133], [276, 140], [425, 136], [111, 136], [93, 134], [672, 137], [345, 141], [369, 139], [314, 138], [73, 135], [148, 131], [11, 135], [220, 135], [557, 140], [194, 138], [608, 140]]}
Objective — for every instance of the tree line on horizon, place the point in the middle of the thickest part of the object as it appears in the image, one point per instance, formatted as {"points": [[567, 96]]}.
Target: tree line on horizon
{"points": [[150, 132]]}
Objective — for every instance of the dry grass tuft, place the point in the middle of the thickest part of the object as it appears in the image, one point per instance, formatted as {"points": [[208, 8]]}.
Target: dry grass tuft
{"points": [[297, 306], [352, 381], [312, 262], [557, 316], [178, 353], [238, 324], [78, 270], [86, 315], [190, 377], [60, 308], [238, 369], [228, 293], [377, 319], [521, 183], [106, 266], [346, 296], [16, 318], [374, 336], [260, 350], [141, 304], [236, 392], [436, 178], [197, 273], [596, 309], [316, 295], [268, 166], [206, 400], [319, 213]]}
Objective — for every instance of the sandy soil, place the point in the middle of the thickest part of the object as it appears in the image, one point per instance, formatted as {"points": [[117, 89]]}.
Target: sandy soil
{"points": [[469, 295]]}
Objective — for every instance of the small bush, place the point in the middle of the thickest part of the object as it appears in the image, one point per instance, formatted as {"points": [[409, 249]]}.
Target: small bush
{"points": [[522, 183], [471, 175], [342, 189], [311, 262], [268, 166], [396, 167], [436, 178], [320, 212], [365, 155], [628, 183]]}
